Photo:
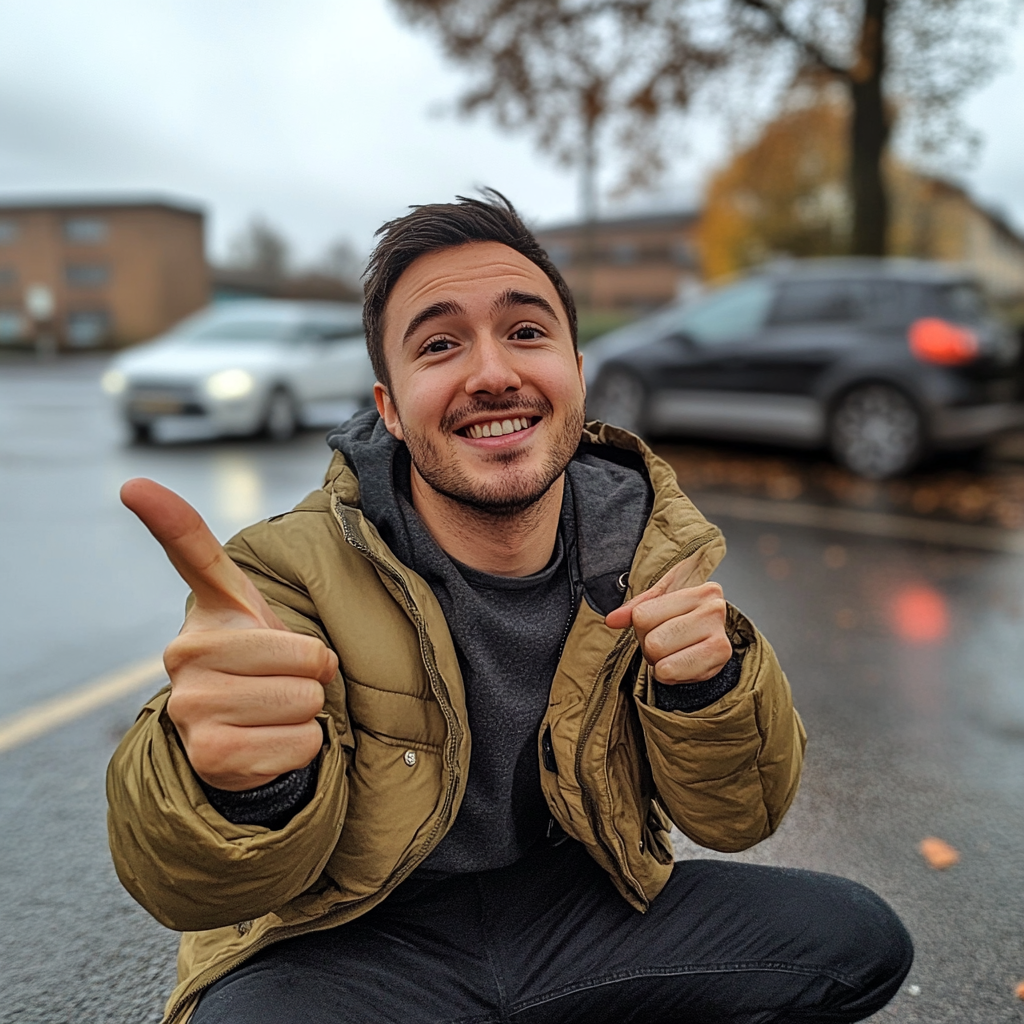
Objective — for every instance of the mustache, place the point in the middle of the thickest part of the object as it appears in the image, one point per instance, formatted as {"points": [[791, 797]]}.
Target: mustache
{"points": [[478, 407]]}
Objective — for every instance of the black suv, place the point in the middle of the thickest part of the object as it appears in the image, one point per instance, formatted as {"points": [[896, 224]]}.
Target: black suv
{"points": [[881, 360]]}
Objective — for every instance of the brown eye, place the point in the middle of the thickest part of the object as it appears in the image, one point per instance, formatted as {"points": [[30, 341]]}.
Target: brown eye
{"points": [[526, 334], [440, 345]]}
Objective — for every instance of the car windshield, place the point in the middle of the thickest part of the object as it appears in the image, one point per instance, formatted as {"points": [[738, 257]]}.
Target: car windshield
{"points": [[243, 331], [732, 314]]}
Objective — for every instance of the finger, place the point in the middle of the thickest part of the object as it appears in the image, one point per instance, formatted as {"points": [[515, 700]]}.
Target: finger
{"points": [[685, 574], [233, 700], [695, 664], [675, 635], [703, 603], [252, 652], [201, 561], [623, 615], [244, 758]]}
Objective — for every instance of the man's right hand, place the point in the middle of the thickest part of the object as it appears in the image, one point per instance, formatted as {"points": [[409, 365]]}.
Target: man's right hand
{"points": [[245, 691]]}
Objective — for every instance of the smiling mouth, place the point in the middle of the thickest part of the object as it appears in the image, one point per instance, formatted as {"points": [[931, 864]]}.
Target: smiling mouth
{"points": [[498, 428]]}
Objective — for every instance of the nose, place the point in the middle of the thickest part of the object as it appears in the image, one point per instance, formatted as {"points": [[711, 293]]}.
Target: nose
{"points": [[491, 370]]}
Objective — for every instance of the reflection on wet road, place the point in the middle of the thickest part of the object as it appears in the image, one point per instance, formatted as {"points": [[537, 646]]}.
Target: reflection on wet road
{"points": [[905, 659]]}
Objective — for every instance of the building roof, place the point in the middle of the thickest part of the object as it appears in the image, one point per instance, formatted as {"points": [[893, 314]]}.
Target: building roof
{"points": [[667, 218], [97, 201]]}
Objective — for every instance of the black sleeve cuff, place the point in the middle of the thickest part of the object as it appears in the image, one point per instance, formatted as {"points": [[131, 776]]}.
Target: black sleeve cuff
{"points": [[695, 696], [272, 805]]}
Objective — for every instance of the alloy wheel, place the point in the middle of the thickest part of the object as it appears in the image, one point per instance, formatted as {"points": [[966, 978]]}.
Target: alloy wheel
{"points": [[876, 432], [620, 399]]}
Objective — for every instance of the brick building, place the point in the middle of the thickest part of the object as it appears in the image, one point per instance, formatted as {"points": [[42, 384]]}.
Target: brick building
{"points": [[115, 271], [636, 263]]}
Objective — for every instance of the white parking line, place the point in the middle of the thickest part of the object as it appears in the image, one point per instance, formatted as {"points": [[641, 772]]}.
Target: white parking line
{"points": [[66, 707], [873, 524]]}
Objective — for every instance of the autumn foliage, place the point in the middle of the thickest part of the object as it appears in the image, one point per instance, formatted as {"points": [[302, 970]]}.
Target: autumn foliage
{"points": [[783, 194]]}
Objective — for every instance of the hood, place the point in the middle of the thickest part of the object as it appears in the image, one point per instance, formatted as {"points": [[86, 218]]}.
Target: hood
{"points": [[174, 357], [370, 452]]}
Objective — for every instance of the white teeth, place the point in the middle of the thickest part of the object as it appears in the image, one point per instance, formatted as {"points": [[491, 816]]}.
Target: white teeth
{"points": [[498, 428]]}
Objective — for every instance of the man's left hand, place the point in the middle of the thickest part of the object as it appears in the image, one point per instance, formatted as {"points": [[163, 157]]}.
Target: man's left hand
{"points": [[681, 629]]}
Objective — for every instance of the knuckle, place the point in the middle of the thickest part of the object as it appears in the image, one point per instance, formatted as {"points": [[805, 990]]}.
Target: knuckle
{"points": [[211, 751], [644, 616]]}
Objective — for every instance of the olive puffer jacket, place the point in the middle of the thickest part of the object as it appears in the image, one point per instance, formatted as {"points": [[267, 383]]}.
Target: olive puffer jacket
{"points": [[616, 770]]}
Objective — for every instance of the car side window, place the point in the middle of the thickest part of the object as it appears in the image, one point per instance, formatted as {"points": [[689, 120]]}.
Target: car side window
{"points": [[735, 313], [820, 302]]}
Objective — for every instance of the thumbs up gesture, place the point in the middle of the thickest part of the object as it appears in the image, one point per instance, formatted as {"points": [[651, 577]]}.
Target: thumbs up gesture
{"points": [[245, 691], [680, 627]]}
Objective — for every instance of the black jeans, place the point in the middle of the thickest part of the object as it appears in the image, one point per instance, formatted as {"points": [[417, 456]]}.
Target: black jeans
{"points": [[549, 939]]}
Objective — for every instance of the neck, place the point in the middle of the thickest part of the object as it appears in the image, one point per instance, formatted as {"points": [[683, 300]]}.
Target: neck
{"points": [[502, 545]]}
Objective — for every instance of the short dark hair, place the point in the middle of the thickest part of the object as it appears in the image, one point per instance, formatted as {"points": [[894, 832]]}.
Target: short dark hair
{"points": [[436, 226]]}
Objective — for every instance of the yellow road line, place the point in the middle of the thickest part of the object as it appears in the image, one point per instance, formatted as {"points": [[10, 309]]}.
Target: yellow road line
{"points": [[66, 707], [873, 524]]}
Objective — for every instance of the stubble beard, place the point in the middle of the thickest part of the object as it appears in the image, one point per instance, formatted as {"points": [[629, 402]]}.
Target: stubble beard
{"points": [[515, 492]]}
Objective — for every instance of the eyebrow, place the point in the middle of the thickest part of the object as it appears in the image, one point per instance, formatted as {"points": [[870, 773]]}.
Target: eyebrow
{"points": [[510, 297], [446, 307]]}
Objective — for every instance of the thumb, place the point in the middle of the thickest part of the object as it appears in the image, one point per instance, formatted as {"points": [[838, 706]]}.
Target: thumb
{"points": [[218, 584]]}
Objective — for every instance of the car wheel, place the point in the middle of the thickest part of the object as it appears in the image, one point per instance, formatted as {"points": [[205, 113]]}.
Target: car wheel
{"points": [[876, 431], [619, 398], [140, 433], [281, 421]]}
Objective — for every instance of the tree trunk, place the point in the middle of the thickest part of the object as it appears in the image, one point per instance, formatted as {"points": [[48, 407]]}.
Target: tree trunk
{"points": [[869, 135], [588, 210]]}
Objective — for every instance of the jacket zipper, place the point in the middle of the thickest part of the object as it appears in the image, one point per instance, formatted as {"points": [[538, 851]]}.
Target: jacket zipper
{"points": [[603, 682], [451, 759]]}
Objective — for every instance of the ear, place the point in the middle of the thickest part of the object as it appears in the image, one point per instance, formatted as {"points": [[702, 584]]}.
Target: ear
{"points": [[388, 411], [579, 367]]}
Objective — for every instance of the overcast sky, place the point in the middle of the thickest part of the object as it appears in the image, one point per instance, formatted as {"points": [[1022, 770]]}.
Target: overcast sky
{"points": [[314, 113]]}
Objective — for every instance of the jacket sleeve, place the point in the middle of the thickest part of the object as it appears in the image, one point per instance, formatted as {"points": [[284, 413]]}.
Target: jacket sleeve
{"points": [[727, 773], [179, 858]]}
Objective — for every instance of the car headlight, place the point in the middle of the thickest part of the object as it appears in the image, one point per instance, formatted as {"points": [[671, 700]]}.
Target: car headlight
{"points": [[230, 384], [114, 382]]}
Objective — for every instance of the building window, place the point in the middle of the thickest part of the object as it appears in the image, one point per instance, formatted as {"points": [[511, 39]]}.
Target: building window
{"points": [[86, 328], [8, 231], [85, 230], [12, 326], [8, 277], [623, 254], [87, 275]]}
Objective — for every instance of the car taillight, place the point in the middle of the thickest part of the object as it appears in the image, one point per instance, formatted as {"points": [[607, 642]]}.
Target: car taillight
{"points": [[938, 341]]}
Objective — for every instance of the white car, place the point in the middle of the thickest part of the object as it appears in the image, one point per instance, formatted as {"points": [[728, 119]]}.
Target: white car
{"points": [[246, 367]]}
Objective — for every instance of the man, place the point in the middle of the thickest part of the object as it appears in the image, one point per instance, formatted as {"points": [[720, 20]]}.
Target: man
{"points": [[479, 570]]}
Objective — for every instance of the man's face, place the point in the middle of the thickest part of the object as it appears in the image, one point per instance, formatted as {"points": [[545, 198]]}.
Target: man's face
{"points": [[486, 389]]}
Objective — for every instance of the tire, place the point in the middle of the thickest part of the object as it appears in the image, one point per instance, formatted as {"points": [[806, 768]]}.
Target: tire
{"points": [[619, 398], [876, 432], [280, 422], [140, 433]]}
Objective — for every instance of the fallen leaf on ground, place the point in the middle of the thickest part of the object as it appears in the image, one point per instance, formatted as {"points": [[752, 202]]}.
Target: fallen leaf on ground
{"points": [[938, 853], [1019, 990]]}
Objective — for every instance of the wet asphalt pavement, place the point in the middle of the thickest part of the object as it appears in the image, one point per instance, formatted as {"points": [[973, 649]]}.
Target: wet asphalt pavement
{"points": [[906, 660]]}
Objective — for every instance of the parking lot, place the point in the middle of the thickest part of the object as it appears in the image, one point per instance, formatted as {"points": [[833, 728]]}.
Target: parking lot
{"points": [[896, 609]]}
